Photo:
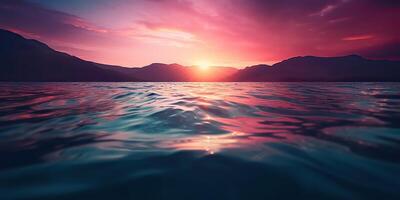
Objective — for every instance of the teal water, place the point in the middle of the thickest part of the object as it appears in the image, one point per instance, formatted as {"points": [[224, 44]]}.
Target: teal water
{"points": [[199, 141]]}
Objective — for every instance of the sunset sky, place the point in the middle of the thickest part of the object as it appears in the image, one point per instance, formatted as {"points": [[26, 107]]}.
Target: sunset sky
{"points": [[208, 32]]}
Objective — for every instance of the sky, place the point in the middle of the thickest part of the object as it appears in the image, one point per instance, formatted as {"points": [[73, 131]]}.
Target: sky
{"points": [[237, 33]]}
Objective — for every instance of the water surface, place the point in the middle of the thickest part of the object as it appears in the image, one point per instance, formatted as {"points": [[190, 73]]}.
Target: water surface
{"points": [[199, 141]]}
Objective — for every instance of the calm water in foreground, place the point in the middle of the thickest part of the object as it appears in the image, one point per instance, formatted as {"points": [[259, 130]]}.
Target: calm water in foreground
{"points": [[199, 141]]}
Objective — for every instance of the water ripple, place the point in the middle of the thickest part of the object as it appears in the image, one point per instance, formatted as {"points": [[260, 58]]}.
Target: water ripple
{"points": [[343, 136]]}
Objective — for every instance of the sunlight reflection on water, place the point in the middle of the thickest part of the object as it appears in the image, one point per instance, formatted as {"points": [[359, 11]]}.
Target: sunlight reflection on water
{"points": [[334, 134]]}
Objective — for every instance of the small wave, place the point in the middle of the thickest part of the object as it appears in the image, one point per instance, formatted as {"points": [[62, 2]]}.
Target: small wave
{"points": [[232, 140]]}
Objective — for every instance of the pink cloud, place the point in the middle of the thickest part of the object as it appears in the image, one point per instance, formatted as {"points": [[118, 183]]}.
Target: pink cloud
{"points": [[233, 32], [358, 37]]}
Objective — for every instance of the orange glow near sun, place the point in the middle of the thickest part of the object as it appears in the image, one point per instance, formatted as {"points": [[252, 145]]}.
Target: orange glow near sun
{"points": [[203, 64]]}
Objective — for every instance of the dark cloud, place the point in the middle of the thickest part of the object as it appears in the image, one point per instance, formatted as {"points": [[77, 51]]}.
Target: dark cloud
{"points": [[50, 25], [28, 16], [292, 8], [383, 3]]}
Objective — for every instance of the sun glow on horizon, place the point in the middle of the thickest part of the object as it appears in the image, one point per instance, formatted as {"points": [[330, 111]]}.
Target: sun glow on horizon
{"points": [[203, 64]]}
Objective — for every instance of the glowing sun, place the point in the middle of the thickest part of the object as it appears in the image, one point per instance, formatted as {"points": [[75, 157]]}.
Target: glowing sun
{"points": [[203, 64]]}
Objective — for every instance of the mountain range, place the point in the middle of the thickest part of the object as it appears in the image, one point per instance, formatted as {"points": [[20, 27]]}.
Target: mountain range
{"points": [[24, 59], [323, 69]]}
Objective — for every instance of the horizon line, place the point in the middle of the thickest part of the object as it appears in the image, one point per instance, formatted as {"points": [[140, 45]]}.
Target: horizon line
{"points": [[191, 65]]}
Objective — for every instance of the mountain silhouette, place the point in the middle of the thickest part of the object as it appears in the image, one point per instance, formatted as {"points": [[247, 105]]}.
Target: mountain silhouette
{"points": [[30, 60], [160, 72], [311, 68]]}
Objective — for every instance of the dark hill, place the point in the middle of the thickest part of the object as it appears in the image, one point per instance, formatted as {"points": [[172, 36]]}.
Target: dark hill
{"points": [[310, 68], [30, 60]]}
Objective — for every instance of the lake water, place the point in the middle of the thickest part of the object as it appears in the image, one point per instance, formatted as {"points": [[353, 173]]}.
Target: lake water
{"points": [[199, 141]]}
